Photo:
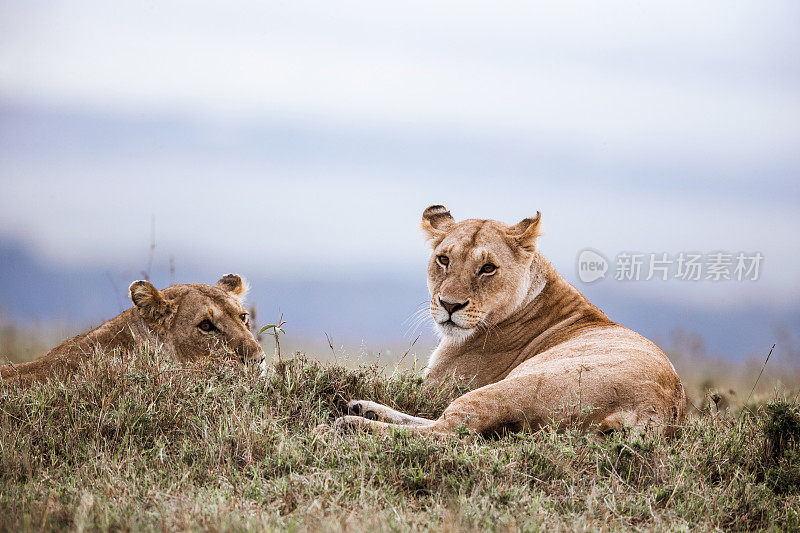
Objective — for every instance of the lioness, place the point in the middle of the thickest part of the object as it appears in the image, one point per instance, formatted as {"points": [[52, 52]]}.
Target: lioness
{"points": [[188, 319], [533, 347]]}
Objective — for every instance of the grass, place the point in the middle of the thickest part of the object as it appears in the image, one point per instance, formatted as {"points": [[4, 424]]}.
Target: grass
{"points": [[142, 443]]}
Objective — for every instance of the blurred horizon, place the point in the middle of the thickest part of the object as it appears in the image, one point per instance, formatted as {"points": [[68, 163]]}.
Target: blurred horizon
{"points": [[350, 311], [299, 143]]}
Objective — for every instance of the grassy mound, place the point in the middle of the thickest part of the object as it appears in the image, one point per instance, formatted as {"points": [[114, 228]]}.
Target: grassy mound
{"points": [[142, 444]]}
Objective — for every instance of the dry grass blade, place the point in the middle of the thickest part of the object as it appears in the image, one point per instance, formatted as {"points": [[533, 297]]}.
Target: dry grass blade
{"points": [[759, 375]]}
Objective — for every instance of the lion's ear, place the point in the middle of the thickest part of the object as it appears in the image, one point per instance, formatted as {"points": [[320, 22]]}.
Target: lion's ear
{"points": [[436, 221], [525, 232], [149, 301], [235, 284]]}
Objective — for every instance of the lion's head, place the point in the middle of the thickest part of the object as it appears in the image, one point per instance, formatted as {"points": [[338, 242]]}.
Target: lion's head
{"points": [[480, 271], [196, 319]]}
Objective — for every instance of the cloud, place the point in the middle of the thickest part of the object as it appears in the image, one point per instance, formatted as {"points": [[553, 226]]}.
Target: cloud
{"points": [[275, 134], [715, 81]]}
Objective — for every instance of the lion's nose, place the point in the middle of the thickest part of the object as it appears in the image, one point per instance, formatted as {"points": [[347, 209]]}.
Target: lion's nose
{"points": [[252, 352], [452, 307], [258, 356]]}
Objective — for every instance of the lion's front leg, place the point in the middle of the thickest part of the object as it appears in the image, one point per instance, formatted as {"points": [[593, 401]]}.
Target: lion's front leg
{"points": [[492, 408], [466, 412], [441, 427], [377, 427], [381, 413], [348, 422]]}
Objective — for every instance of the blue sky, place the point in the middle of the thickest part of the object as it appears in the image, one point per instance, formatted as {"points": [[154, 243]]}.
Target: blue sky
{"points": [[303, 140]]}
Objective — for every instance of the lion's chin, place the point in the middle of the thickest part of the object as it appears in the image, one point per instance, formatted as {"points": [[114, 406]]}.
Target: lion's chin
{"points": [[453, 333]]}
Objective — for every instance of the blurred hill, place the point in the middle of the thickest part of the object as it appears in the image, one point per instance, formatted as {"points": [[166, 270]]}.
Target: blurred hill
{"points": [[370, 314]]}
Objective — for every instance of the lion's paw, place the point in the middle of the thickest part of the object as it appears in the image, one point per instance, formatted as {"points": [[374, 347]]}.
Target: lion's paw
{"points": [[348, 423], [363, 409]]}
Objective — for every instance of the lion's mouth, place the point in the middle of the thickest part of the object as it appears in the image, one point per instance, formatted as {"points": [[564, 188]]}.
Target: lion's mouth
{"points": [[449, 323]]}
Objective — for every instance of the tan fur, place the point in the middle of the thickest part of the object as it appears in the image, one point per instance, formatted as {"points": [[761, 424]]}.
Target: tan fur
{"points": [[531, 345], [170, 318]]}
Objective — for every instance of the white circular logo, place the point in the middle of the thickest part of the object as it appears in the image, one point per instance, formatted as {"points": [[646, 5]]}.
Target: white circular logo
{"points": [[591, 266]]}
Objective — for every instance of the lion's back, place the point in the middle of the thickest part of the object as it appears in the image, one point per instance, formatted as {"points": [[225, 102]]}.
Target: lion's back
{"points": [[613, 361]]}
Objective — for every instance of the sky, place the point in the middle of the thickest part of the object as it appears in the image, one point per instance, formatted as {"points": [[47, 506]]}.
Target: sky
{"points": [[302, 140]]}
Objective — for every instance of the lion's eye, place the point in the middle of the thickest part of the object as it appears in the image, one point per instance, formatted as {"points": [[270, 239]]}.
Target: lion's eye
{"points": [[207, 326], [443, 260], [243, 316], [488, 268]]}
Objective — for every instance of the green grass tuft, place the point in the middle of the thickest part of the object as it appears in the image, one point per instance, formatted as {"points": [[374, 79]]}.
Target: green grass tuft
{"points": [[142, 443]]}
